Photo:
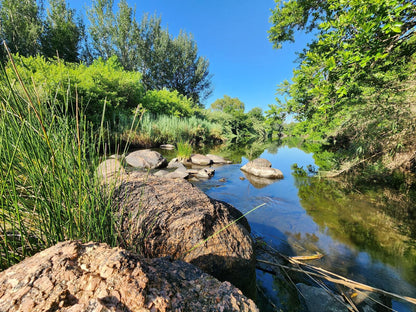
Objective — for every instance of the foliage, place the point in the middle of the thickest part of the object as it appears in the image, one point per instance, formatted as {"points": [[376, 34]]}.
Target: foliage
{"points": [[20, 26], [237, 126], [103, 83], [155, 130], [228, 105], [355, 80], [184, 150], [164, 61], [275, 119], [62, 34], [165, 102], [48, 189]]}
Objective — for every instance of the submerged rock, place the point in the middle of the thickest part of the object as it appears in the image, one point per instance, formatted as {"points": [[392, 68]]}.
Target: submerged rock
{"points": [[166, 217], [146, 159], [262, 168], [318, 299], [72, 276]]}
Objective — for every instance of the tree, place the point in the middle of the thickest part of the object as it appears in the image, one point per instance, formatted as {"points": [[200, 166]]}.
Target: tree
{"points": [[351, 76], [62, 35], [228, 105], [20, 26], [165, 62]]}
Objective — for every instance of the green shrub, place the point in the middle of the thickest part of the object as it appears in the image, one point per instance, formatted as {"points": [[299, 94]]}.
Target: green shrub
{"points": [[165, 102], [65, 84]]}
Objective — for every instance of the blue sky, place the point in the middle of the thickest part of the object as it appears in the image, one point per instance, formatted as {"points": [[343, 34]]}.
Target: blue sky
{"points": [[232, 34]]}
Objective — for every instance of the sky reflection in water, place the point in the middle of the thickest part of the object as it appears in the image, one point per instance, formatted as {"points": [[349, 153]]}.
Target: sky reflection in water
{"points": [[304, 215]]}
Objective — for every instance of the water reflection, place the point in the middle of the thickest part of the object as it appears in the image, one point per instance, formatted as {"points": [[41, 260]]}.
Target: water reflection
{"points": [[369, 239]]}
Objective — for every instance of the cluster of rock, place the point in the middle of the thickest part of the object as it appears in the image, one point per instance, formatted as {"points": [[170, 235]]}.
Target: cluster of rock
{"points": [[72, 276], [195, 167]]}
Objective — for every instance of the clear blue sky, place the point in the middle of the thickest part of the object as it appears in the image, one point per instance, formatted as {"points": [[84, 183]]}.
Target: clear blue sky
{"points": [[232, 34]]}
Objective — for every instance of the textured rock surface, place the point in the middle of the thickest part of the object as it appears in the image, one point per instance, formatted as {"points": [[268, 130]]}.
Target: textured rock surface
{"points": [[262, 168], [71, 276], [146, 159], [201, 160], [205, 173], [166, 217]]}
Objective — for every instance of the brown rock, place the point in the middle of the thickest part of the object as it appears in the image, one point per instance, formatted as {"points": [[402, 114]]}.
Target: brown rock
{"points": [[166, 217], [71, 276]]}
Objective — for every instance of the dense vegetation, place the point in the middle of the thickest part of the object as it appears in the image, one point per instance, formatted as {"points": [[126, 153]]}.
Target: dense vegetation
{"points": [[353, 91]]}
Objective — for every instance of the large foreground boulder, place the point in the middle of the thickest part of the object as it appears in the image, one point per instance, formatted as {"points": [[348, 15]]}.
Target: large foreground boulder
{"points": [[167, 217], [261, 167], [146, 159], [71, 276]]}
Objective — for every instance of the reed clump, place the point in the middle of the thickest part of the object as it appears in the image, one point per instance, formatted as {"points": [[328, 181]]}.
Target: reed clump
{"points": [[48, 188]]}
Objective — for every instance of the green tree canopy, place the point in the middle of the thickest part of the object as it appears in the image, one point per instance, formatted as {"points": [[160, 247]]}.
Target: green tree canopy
{"points": [[351, 78], [20, 26], [166, 62], [228, 105], [62, 34]]}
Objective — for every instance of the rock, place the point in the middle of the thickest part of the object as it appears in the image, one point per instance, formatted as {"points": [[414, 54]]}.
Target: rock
{"points": [[222, 180], [262, 168], [146, 159], [161, 173], [198, 159], [175, 163], [318, 299], [218, 159], [72, 276], [177, 218], [242, 178], [110, 171], [167, 146], [178, 174], [205, 173]]}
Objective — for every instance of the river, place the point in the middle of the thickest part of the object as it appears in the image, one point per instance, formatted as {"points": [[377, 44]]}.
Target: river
{"points": [[362, 237]]}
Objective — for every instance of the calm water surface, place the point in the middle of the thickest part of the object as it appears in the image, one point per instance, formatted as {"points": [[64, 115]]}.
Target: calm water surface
{"points": [[360, 238]]}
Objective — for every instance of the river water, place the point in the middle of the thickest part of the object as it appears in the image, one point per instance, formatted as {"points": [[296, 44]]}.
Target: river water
{"points": [[362, 237]]}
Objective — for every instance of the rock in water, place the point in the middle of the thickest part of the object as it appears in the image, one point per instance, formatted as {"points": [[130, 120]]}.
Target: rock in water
{"points": [[166, 217], [218, 159], [262, 168], [202, 160], [72, 276], [146, 159]]}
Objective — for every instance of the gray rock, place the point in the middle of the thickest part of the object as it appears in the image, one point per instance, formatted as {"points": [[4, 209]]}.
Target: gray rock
{"points": [[161, 173], [178, 174], [318, 299], [258, 182], [205, 173], [262, 168], [146, 159], [109, 171], [167, 146], [201, 160], [175, 163], [72, 276], [218, 159]]}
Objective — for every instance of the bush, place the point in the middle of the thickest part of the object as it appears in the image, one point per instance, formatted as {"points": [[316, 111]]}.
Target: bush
{"points": [[101, 83]]}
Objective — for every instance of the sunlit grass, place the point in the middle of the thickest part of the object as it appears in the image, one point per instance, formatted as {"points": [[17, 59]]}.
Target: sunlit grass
{"points": [[48, 188]]}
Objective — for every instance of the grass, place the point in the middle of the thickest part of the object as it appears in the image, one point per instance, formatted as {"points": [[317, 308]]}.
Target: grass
{"points": [[156, 130], [48, 188], [184, 150]]}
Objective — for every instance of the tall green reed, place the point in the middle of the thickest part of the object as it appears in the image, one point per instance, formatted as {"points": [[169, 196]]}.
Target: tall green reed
{"points": [[48, 188]]}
